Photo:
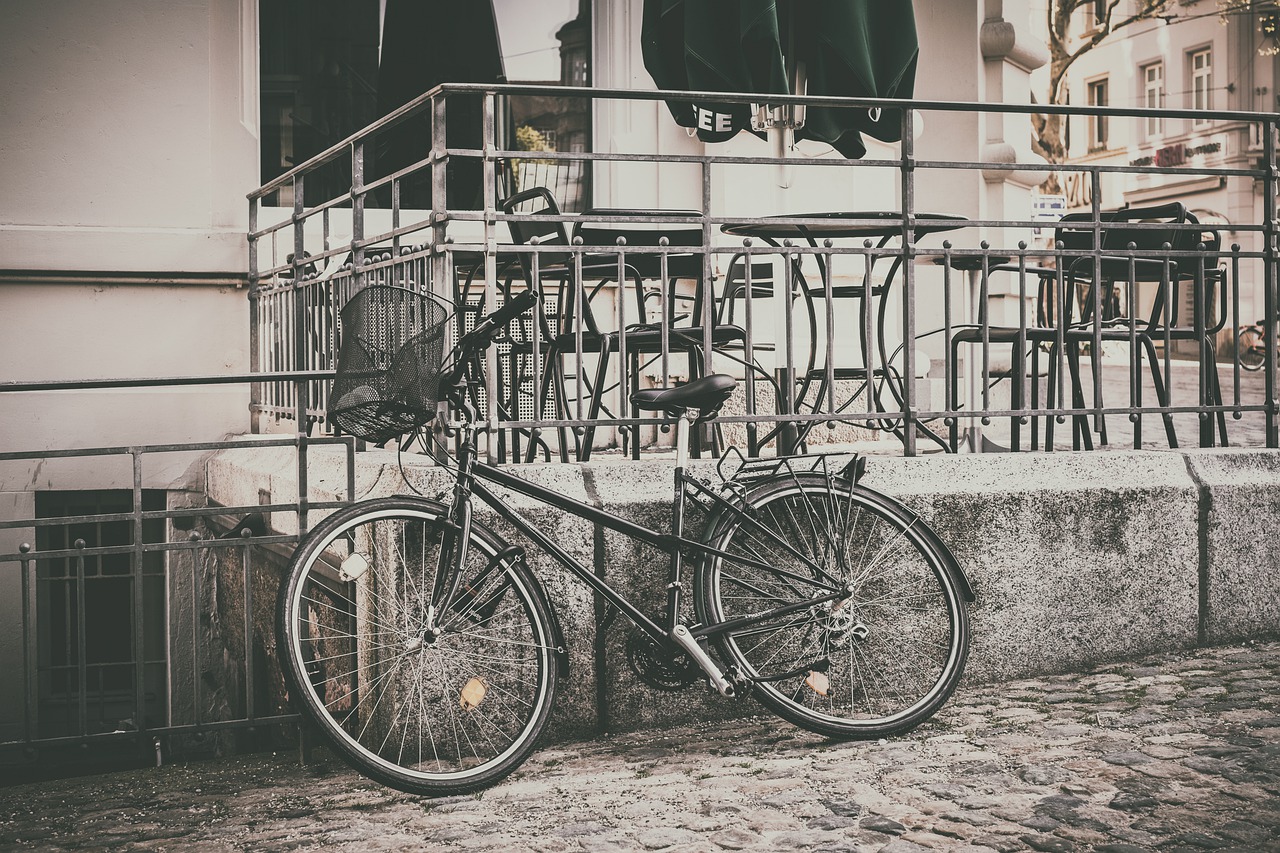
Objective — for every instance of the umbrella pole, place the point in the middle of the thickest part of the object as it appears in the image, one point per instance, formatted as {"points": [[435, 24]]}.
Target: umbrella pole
{"points": [[781, 139], [787, 119]]}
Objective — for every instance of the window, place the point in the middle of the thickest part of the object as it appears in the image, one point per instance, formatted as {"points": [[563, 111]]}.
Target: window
{"points": [[1153, 97], [327, 71], [91, 609], [1098, 97], [1201, 62], [319, 70], [549, 42], [1090, 15]]}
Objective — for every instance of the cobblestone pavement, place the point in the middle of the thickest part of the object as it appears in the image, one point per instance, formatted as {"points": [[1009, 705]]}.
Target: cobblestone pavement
{"points": [[1179, 752]]}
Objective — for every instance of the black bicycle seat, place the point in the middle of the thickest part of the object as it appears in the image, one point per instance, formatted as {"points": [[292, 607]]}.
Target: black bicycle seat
{"points": [[706, 395]]}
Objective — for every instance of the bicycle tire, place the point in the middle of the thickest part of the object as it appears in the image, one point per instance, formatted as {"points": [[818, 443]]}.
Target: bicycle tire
{"points": [[1250, 346], [425, 714], [884, 668]]}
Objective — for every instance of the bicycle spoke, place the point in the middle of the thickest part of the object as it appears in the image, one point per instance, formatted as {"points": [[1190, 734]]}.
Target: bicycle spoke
{"points": [[875, 660], [427, 705]]}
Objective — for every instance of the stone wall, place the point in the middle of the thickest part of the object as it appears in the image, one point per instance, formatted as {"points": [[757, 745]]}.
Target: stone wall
{"points": [[1075, 558]]}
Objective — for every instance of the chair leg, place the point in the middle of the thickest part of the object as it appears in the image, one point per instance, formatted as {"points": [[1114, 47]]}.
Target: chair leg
{"points": [[1214, 390], [589, 429], [1080, 436], [635, 411], [953, 396], [1017, 375], [1162, 391], [1051, 398], [1035, 394], [553, 370]]}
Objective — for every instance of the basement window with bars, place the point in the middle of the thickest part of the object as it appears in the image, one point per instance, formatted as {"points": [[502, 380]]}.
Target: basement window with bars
{"points": [[101, 617]]}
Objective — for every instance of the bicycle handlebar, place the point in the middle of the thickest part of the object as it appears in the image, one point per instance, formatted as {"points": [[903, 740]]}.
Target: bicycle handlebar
{"points": [[484, 332], [487, 329]]}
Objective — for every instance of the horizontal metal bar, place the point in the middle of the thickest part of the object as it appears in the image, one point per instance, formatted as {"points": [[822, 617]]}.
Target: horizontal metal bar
{"points": [[246, 443], [158, 731], [422, 102], [161, 381]]}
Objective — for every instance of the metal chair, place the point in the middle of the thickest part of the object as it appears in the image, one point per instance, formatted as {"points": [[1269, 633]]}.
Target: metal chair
{"points": [[1147, 244], [578, 332]]}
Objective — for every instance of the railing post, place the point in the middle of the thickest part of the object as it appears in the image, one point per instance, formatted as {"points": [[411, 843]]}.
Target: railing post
{"points": [[1270, 187], [706, 433], [788, 432], [1095, 181], [440, 262], [300, 386], [196, 611], [139, 600], [357, 215], [908, 285], [82, 655], [255, 322], [30, 660], [489, 190], [439, 200], [246, 564]]}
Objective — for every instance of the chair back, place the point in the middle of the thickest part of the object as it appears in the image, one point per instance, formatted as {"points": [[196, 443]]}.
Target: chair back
{"points": [[1119, 236], [537, 201], [555, 268], [1075, 230]]}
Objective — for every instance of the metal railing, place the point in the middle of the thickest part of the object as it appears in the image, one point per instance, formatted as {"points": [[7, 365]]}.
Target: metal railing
{"points": [[108, 659], [780, 316], [800, 379]]}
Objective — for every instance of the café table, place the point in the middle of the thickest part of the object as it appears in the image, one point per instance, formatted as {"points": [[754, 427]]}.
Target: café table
{"points": [[672, 330], [878, 225]]}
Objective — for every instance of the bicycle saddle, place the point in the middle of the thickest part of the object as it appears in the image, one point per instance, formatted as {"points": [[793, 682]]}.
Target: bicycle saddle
{"points": [[706, 395]]}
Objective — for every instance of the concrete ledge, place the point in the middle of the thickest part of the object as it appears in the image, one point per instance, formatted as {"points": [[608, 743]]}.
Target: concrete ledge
{"points": [[1075, 558]]}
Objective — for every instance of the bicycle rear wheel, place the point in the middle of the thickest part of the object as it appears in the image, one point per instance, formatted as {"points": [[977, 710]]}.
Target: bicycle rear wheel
{"points": [[426, 702], [1249, 345], [877, 660]]}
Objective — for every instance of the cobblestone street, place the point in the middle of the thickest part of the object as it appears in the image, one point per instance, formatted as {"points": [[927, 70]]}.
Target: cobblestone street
{"points": [[1180, 752]]}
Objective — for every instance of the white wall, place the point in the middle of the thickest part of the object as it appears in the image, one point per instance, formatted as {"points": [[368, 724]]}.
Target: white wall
{"points": [[128, 145], [130, 134]]}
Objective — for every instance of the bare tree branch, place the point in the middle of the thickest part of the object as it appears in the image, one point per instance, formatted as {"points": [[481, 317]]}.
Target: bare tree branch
{"points": [[1067, 46]]}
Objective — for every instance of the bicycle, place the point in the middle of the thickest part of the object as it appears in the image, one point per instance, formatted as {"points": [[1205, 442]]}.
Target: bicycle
{"points": [[1251, 345], [423, 646]]}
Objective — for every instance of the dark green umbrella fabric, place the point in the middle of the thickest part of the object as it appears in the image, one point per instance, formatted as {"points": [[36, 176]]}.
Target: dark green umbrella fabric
{"points": [[853, 48], [426, 43]]}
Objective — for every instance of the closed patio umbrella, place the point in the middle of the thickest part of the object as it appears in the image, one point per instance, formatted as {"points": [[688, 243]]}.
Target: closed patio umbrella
{"points": [[851, 48], [426, 43]]}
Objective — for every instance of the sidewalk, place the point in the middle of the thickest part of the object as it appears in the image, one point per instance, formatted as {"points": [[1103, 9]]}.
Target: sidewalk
{"points": [[1177, 752]]}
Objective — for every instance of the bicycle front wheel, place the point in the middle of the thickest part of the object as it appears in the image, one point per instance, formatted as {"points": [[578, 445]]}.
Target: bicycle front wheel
{"points": [[1250, 347], [885, 649], [424, 701]]}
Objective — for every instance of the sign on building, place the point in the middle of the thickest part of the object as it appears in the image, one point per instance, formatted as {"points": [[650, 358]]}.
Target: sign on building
{"points": [[1047, 208]]}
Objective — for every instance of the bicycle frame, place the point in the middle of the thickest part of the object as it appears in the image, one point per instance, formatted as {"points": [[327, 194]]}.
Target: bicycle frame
{"points": [[472, 475]]}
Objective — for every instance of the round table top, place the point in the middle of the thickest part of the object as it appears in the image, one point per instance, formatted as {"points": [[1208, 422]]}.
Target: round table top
{"points": [[848, 223]]}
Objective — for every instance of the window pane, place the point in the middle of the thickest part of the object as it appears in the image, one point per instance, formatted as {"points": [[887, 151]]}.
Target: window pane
{"points": [[319, 67], [1098, 97], [549, 42], [1201, 82]]}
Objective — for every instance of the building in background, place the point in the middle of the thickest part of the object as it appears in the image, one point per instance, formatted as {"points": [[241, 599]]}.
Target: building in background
{"points": [[1200, 56]]}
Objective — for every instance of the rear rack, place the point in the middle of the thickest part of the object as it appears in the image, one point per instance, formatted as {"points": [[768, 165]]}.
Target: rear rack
{"points": [[753, 470]]}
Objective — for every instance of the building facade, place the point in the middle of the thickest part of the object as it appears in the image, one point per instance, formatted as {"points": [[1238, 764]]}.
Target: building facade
{"points": [[1201, 56], [134, 131]]}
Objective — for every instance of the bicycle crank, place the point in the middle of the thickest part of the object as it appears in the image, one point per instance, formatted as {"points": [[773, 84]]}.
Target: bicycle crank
{"points": [[698, 655]]}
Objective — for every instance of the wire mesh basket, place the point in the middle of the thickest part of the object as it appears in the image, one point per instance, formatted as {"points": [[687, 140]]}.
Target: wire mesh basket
{"points": [[388, 375]]}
